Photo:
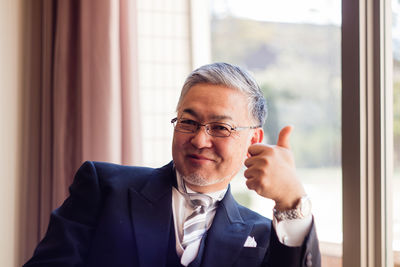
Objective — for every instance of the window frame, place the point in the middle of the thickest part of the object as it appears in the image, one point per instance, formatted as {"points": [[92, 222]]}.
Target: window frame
{"points": [[367, 132]]}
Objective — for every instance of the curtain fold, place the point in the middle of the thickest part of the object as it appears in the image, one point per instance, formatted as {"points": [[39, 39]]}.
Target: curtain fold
{"points": [[81, 100]]}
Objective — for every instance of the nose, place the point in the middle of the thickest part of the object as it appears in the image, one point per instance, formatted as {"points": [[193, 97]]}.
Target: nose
{"points": [[201, 139]]}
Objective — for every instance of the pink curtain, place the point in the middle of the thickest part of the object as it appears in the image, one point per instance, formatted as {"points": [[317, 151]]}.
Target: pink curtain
{"points": [[81, 100]]}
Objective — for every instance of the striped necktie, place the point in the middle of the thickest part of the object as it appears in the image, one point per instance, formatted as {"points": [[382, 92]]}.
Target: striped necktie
{"points": [[195, 224]]}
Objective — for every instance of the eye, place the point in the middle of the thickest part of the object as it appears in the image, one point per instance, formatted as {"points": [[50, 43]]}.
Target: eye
{"points": [[219, 129], [186, 125], [188, 122]]}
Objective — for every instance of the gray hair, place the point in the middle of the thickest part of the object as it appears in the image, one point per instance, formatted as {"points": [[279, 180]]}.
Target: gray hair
{"points": [[232, 77]]}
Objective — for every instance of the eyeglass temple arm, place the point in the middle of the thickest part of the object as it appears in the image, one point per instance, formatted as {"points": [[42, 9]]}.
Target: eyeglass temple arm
{"points": [[246, 127]]}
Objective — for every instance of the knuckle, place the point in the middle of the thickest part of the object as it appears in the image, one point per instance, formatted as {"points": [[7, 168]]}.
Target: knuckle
{"points": [[262, 172], [264, 160], [249, 184], [247, 162], [251, 149], [256, 173]]}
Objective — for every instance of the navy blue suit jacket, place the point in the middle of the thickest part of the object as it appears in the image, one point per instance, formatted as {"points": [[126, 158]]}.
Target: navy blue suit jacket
{"points": [[122, 216]]}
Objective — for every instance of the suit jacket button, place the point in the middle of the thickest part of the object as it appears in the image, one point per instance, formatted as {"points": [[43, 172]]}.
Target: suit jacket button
{"points": [[309, 260]]}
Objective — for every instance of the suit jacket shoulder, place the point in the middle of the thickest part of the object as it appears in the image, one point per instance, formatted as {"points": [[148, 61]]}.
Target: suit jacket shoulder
{"points": [[111, 174], [93, 227]]}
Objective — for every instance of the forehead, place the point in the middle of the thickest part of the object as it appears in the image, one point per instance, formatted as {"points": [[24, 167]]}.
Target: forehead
{"points": [[208, 101]]}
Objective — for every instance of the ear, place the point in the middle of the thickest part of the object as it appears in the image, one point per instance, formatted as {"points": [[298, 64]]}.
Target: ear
{"points": [[258, 136]]}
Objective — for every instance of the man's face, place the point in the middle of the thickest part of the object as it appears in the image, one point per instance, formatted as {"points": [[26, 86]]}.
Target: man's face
{"points": [[208, 163]]}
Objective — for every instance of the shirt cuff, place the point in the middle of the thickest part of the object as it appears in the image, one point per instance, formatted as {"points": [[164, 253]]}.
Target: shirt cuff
{"points": [[292, 232]]}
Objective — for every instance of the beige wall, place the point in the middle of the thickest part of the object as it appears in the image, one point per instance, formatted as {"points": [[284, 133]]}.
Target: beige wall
{"points": [[10, 89]]}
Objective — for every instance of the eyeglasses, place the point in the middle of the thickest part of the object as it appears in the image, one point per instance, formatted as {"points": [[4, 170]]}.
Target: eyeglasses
{"points": [[217, 129]]}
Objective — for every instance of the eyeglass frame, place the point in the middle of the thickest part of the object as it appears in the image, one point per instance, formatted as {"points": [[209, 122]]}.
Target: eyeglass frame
{"points": [[175, 120]]}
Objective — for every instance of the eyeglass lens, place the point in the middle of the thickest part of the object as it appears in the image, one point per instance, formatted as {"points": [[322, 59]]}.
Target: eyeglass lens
{"points": [[214, 128]]}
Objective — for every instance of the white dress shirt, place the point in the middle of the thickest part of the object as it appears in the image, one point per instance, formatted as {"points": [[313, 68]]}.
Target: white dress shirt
{"points": [[181, 209], [289, 232]]}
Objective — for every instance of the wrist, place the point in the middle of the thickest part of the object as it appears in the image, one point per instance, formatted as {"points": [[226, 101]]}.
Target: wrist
{"points": [[288, 204], [300, 210]]}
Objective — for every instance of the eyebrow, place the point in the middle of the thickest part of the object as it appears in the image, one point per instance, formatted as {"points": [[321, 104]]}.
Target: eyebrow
{"points": [[212, 117]]}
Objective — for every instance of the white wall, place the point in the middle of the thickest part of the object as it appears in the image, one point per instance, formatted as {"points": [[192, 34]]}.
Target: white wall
{"points": [[10, 90]]}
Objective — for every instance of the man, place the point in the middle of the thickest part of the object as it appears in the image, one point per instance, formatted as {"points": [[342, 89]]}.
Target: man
{"points": [[183, 214]]}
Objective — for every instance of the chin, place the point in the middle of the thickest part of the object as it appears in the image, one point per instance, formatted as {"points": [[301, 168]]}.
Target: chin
{"points": [[196, 179], [199, 179]]}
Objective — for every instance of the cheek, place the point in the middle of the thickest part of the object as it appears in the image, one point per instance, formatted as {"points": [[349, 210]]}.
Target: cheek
{"points": [[175, 145], [235, 152], [178, 143]]}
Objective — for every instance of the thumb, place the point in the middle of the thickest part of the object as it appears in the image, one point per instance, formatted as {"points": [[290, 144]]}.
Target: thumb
{"points": [[284, 137]]}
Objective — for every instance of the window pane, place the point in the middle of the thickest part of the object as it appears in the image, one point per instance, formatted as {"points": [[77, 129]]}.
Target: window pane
{"points": [[164, 61], [396, 126], [295, 56]]}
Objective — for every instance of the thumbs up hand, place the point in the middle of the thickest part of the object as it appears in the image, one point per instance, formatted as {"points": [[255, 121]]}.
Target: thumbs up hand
{"points": [[271, 172]]}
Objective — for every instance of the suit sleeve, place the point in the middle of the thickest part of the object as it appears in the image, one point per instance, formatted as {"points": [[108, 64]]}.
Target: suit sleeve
{"points": [[71, 226], [307, 255]]}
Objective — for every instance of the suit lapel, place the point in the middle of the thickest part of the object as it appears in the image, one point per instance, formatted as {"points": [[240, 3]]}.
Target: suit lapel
{"points": [[227, 234], [151, 212]]}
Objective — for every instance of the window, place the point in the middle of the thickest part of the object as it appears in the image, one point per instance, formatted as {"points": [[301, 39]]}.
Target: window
{"points": [[294, 54], [164, 62]]}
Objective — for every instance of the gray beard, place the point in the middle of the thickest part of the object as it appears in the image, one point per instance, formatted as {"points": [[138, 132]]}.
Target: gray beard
{"points": [[200, 180]]}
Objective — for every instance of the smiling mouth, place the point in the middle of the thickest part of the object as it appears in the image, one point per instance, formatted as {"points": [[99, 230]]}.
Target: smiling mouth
{"points": [[199, 157]]}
